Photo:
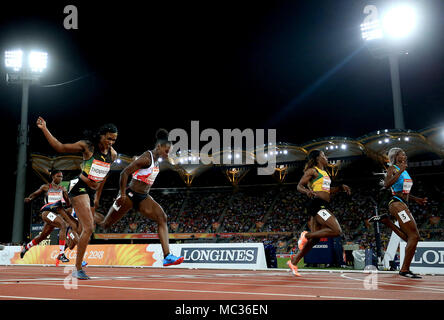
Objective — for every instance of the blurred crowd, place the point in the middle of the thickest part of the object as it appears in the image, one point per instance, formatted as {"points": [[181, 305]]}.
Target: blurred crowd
{"points": [[274, 209]]}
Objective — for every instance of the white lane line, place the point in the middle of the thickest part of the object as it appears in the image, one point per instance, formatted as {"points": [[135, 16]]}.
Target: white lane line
{"points": [[31, 298], [398, 285], [212, 291], [270, 285]]}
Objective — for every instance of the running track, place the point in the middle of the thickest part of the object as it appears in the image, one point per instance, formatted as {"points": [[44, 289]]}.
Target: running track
{"points": [[48, 283]]}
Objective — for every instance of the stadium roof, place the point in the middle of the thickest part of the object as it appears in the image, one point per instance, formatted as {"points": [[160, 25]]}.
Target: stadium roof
{"points": [[374, 145]]}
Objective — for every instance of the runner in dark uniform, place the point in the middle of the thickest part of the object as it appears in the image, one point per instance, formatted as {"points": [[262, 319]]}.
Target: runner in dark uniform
{"points": [[98, 154], [400, 183], [53, 214], [144, 171]]}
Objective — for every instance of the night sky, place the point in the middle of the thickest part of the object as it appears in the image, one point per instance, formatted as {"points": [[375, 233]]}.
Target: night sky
{"points": [[299, 67]]}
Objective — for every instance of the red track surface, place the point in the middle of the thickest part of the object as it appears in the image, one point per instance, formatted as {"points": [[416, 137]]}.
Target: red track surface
{"points": [[47, 283]]}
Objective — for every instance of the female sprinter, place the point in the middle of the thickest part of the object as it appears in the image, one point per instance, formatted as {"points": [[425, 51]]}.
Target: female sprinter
{"points": [[98, 154], [53, 213], [400, 183], [144, 171], [315, 183]]}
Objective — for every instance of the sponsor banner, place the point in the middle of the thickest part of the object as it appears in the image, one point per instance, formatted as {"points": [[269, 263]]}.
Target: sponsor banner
{"points": [[101, 255], [203, 255], [223, 255], [428, 258]]}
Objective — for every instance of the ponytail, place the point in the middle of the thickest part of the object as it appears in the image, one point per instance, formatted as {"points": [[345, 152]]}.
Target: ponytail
{"points": [[312, 159]]}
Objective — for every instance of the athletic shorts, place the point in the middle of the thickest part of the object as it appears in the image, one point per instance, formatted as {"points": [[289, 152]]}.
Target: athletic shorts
{"points": [[78, 188], [396, 199], [53, 207], [315, 205], [136, 197]]}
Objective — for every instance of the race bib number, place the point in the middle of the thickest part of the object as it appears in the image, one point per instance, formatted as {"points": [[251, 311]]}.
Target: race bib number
{"points": [[324, 214], [115, 206], [408, 183], [98, 170], [54, 197], [153, 175], [148, 178], [51, 216], [326, 184], [404, 216]]}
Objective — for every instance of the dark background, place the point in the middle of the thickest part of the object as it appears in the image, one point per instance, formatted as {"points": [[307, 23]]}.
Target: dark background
{"points": [[297, 66]]}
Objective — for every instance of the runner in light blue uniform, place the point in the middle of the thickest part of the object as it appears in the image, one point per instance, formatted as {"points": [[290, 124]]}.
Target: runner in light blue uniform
{"points": [[401, 183]]}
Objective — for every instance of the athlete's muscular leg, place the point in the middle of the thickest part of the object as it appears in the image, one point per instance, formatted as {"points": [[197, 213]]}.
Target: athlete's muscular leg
{"points": [[47, 229], [115, 215], [408, 226], [326, 228], [152, 210], [313, 225], [81, 205]]}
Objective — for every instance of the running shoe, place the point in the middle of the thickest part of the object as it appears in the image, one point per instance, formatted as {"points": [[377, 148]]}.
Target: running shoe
{"points": [[171, 260], [409, 274], [22, 253], [378, 218], [63, 258], [302, 240], [84, 263], [293, 268], [80, 274]]}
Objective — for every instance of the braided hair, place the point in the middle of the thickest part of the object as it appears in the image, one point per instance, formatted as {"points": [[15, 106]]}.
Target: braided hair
{"points": [[93, 137], [312, 159]]}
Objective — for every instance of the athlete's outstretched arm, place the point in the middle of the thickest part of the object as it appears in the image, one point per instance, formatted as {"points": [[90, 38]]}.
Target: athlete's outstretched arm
{"points": [[342, 187], [38, 192], [66, 197], [79, 146], [308, 175], [99, 193], [142, 162], [420, 201]]}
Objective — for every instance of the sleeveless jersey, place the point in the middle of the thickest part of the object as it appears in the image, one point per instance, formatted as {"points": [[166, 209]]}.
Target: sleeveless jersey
{"points": [[97, 167], [321, 182], [404, 182], [148, 175], [54, 194]]}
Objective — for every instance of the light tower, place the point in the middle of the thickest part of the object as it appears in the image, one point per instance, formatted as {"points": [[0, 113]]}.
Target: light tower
{"points": [[387, 36], [23, 68]]}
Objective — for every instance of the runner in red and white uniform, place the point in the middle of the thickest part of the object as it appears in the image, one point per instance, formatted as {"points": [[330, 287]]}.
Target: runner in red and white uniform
{"points": [[144, 171], [54, 214]]}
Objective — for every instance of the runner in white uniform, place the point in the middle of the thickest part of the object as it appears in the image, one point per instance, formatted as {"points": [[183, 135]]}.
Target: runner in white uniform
{"points": [[53, 214], [144, 171]]}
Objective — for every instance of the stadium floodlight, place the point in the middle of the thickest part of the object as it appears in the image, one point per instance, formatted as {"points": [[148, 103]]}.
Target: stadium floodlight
{"points": [[399, 21], [37, 61], [14, 59], [385, 35], [23, 71]]}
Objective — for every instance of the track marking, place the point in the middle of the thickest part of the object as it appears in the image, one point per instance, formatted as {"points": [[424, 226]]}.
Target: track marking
{"points": [[273, 285], [213, 291], [31, 298], [397, 285]]}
